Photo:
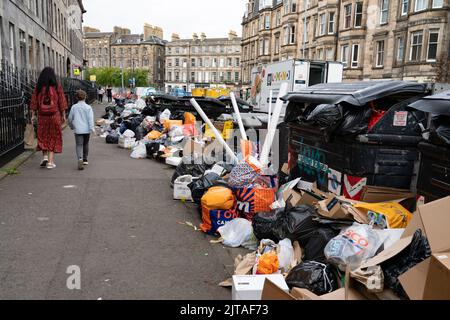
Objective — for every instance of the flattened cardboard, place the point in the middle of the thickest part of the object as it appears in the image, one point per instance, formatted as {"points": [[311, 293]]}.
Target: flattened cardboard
{"points": [[294, 196], [309, 198], [285, 169], [388, 253], [252, 287], [373, 194]]}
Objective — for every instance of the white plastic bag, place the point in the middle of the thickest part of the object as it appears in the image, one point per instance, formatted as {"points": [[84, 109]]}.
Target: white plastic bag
{"points": [[140, 104], [353, 246], [129, 134], [139, 151], [285, 255], [165, 116], [238, 232]]}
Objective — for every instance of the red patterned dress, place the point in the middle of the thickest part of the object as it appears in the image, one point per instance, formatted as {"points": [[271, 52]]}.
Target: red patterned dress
{"points": [[49, 133]]}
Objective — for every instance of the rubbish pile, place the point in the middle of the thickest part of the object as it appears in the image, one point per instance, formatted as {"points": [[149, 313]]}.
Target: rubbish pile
{"points": [[305, 244]]}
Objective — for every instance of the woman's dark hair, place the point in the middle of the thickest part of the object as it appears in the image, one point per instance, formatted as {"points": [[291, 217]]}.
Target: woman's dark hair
{"points": [[47, 79]]}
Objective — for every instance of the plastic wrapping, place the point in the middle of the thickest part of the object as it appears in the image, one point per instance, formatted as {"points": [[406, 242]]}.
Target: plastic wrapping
{"points": [[418, 251], [139, 151], [353, 246], [285, 255], [314, 276]]}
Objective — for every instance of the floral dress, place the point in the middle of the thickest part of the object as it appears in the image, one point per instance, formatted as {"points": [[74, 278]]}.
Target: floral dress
{"points": [[49, 133]]}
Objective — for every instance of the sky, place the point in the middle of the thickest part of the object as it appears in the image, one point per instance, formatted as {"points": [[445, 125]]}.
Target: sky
{"points": [[214, 17]]}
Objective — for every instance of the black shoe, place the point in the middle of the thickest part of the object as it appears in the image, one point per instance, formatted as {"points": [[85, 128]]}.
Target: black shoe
{"points": [[44, 163]]}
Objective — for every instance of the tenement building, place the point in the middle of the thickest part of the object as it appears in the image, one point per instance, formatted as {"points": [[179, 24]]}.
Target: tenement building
{"points": [[121, 49], [374, 39], [40, 33], [203, 62]]}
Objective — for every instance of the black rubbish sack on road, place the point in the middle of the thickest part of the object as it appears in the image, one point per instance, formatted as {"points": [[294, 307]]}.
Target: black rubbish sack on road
{"points": [[264, 224], [325, 115], [355, 121], [297, 225], [189, 166], [418, 251], [152, 149], [140, 133], [200, 186], [112, 139], [318, 240], [314, 276], [177, 115], [149, 111]]}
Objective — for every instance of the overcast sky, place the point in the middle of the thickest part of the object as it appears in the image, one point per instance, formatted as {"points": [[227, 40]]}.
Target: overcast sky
{"points": [[214, 17]]}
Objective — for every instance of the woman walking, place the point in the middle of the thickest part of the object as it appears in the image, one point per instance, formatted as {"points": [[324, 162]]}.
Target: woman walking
{"points": [[49, 104]]}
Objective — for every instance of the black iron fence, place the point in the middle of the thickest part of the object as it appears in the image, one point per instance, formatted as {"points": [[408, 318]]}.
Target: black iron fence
{"points": [[16, 89]]}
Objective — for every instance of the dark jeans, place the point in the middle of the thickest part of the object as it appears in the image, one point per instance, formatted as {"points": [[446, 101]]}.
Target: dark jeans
{"points": [[100, 98], [109, 98], [82, 141]]}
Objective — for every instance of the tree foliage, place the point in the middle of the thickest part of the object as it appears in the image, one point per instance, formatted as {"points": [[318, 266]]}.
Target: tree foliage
{"points": [[113, 76]]}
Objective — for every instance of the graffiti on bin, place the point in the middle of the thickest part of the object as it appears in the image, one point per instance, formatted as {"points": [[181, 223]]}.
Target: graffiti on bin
{"points": [[311, 163]]}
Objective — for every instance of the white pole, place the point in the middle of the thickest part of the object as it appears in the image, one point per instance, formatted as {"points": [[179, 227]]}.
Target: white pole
{"points": [[270, 108], [213, 128], [273, 127], [238, 116]]}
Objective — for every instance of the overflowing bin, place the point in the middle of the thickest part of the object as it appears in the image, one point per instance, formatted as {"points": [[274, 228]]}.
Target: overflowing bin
{"points": [[344, 136], [434, 177]]}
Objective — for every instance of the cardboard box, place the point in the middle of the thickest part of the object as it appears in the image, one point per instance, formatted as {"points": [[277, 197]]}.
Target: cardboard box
{"points": [[332, 208], [251, 287], [273, 292], [429, 280]]}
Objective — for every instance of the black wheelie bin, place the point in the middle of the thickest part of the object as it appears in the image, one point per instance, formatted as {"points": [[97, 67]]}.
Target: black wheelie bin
{"points": [[434, 176], [344, 136]]}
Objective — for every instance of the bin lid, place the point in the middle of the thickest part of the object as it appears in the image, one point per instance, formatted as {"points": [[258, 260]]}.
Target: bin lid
{"points": [[437, 104], [354, 93]]}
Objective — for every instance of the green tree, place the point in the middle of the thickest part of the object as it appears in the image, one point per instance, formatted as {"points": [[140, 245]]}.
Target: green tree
{"points": [[113, 76]]}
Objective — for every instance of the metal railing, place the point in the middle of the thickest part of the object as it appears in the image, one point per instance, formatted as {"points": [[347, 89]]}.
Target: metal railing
{"points": [[16, 89]]}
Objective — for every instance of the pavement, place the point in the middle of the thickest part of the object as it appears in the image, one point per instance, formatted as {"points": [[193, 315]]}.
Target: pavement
{"points": [[116, 221]]}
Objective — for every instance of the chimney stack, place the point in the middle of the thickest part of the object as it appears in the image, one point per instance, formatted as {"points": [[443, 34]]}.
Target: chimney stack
{"points": [[232, 35], [175, 37]]}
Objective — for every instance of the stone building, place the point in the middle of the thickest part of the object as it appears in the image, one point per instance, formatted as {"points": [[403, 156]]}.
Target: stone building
{"points": [[203, 62], [130, 51], [40, 33], [375, 39]]}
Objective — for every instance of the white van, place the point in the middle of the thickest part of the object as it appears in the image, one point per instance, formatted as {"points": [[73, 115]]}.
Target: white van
{"points": [[298, 74]]}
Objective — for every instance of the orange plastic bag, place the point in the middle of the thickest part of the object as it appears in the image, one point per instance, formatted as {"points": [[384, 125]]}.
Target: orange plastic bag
{"points": [[218, 207], [189, 118], [169, 123], [268, 263], [154, 135]]}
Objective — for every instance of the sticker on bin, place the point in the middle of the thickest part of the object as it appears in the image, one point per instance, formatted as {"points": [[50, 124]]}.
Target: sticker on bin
{"points": [[335, 182], [353, 187], [401, 119]]}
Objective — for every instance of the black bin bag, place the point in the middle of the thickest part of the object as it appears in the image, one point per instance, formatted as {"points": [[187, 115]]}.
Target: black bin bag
{"points": [[326, 115], [265, 223], [355, 121], [315, 276], [112, 139], [297, 225], [418, 251], [188, 166], [314, 249], [200, 186]]}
